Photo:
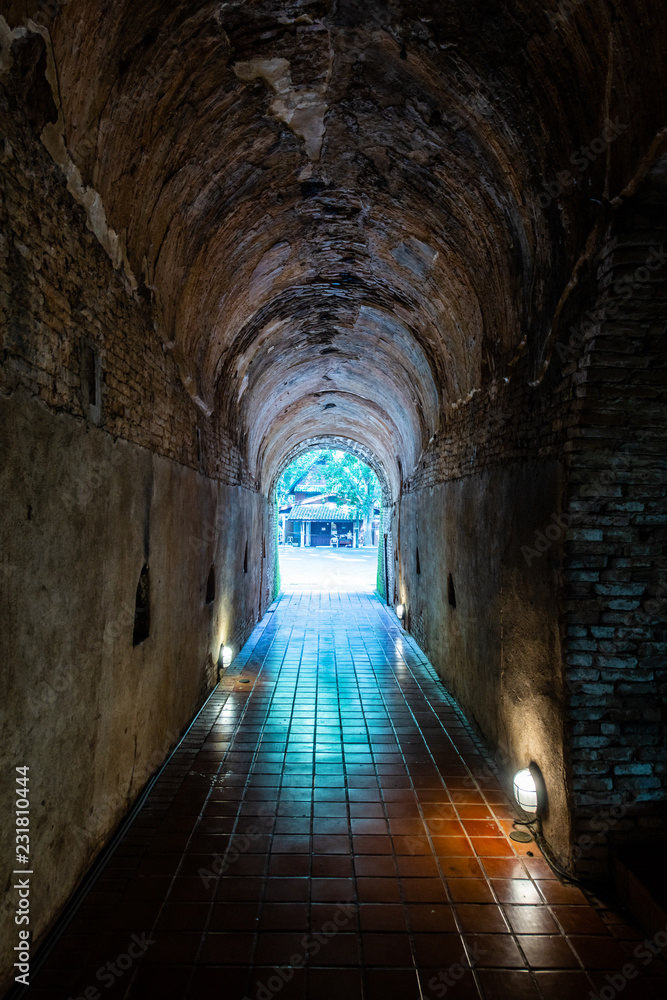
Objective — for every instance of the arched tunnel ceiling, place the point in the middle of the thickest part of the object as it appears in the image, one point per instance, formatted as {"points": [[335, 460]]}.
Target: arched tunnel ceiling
{"points": [[339, 207]]}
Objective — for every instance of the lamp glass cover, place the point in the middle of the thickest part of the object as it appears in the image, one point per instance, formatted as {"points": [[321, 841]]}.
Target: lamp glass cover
{"points": [[525, 790]]}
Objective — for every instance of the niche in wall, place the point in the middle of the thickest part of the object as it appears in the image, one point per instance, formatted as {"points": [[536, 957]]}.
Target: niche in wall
{"points": [[142, 609], [451, 593], [90, 375], [210, 586]]}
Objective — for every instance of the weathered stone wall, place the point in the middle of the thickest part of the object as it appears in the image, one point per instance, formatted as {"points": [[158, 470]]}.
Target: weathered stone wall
{"points": [[488, 621], [103, 472], [545, 500]]}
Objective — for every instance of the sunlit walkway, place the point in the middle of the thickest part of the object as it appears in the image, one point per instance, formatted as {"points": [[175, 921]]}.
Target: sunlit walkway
{"points": [[344, 570], [332, 830]]}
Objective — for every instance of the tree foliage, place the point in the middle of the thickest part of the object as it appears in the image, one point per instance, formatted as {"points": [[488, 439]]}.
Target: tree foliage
{"points": [[352, 483]]}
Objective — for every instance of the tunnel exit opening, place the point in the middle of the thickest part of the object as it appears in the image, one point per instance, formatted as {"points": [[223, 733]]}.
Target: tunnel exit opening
{"points": [[330, 504]]}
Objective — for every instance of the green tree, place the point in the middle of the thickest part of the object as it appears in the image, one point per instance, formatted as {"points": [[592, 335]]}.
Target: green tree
{"points": [[293, 472], [355, 486], [352, 483]]}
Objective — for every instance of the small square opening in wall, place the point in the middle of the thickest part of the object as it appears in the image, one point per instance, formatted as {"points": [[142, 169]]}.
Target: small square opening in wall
{"points": [[91, 395], [198, 446], [210, 586], [142, 609]]}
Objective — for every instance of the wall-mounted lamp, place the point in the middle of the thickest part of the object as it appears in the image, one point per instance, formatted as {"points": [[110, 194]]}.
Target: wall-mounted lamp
{"points": [[525, 790], [225, 655], [400, 611], [530, 790]]}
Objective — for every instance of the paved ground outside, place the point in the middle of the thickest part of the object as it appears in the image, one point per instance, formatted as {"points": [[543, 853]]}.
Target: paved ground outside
{"points": [[343, 570], [332, 829]]}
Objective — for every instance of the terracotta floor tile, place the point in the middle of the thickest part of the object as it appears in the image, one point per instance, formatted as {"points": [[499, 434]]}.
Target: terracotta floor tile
{"points": [[283, 916], [629, 989], [287, 890], [370, 827], [454, 981], [386, 949], [382, 917], [439, 949], [170, 948], [431, 917], [555, 892], [486, 847], [335, 984], [496, 867], [494, 951], [599, 952], [332, 866], [453, 847], [470, 890], [531, 919], [329, 915], [417, 867], [347, 792], [276, 948], [378, 890], [516, 891], [338, 948], [291, 844], [325, 827], [168, 983], [289, 865], [424, 890], [580, 920], [548, 951], [509, 984], [234, 917], [379, 866], [332, 890], [227, 948], [564, 985], [392, 984], [481, 918], [461, 868], [286, 982], [240, 889], [177, 916]]}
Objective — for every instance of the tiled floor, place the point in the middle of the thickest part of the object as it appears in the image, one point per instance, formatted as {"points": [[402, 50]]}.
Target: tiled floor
{"points": [[333, 830]]}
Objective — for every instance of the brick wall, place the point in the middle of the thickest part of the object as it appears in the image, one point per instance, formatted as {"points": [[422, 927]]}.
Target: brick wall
{"points": [[615, 555], [600, 412], [59, 295]]}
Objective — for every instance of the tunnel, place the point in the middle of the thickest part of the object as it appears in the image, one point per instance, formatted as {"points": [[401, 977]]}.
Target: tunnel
{"points": [[430, 235]]}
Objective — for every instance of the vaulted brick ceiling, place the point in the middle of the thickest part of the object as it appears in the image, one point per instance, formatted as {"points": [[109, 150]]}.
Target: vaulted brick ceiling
{"points": [[339, 208]]}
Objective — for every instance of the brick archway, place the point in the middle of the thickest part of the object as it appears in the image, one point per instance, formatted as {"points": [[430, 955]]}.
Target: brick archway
{"points": [[333, 441]]}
